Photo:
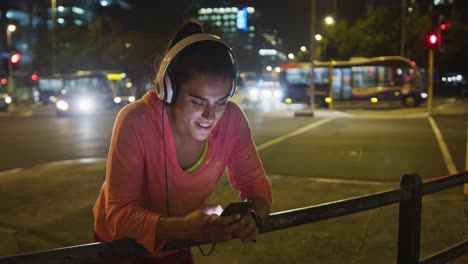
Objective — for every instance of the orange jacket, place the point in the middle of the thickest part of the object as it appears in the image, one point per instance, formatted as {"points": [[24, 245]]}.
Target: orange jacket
{"points": [[133, 197]]}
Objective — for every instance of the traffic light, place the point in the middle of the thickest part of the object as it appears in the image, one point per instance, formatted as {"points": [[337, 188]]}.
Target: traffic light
{"points": [[34, 77], [432, 40], [15, 58]]}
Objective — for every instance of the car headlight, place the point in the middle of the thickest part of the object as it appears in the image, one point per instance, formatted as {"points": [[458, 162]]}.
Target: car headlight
{"points": [[131, 99], [266, 93], [8, 99], [117, 100], [278, 94], [85, 104], [62, 105], [423, 95], [253, 92]]}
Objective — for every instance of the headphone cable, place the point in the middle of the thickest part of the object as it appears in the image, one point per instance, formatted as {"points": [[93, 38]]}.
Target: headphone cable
{"points": [[165, 162]]}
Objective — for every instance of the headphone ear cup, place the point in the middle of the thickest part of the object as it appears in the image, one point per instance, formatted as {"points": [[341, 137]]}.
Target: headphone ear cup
{"points": [[169, 91]]}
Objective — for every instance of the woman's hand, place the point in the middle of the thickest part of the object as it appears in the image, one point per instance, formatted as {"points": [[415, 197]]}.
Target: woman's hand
{"points": [[203, 226], [247, 230]]}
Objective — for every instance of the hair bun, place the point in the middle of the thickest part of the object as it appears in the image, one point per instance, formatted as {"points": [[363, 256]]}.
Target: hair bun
{"points": [[190, 27]]}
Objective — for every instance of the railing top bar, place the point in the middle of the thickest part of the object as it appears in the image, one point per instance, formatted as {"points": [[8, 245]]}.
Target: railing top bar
{"points": [[380, 197], [447, 254], [128, 249], [444, 182], [307, 215]]}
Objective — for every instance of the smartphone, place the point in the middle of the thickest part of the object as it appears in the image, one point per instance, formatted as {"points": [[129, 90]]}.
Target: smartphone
{"points": [[241, 208]]}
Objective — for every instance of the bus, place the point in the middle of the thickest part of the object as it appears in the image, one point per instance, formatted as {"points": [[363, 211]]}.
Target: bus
{"points": [[386, 79], [86, 91]]}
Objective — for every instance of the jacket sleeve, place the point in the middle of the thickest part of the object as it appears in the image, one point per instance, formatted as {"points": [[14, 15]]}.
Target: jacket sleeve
{"points": [[125, 212], [245, 170]]}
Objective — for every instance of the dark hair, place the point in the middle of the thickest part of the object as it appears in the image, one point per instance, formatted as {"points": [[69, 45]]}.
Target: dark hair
{"points": [[204, 57]]}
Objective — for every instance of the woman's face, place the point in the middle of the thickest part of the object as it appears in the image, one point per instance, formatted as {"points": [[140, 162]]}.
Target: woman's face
{"points": [[199, 105]]}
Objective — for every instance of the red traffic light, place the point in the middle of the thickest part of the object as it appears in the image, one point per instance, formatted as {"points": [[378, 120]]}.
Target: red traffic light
{"points": [[445, 26], [432, 39], [4, 81], [15, 58], [34, 77]]}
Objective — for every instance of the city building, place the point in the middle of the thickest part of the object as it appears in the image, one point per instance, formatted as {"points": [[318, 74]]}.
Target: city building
{"points": [[238, 22]]}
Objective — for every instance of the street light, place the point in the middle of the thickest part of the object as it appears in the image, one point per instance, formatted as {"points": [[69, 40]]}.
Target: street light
{"points": [[291, 56], [53, 7], [10, 29], [318, 37], [303, 49], [329, 20]]}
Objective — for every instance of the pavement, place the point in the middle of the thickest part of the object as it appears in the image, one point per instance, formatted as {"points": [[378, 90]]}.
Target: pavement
{"points": [[54, 209]]}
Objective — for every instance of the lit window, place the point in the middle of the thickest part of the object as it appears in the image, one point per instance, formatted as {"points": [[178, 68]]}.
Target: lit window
{"points": [[78, 10]]}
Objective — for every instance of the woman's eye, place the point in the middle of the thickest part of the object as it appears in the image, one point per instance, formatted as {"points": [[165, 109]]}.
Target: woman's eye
{"points": [[197, 103], [222, 103]]}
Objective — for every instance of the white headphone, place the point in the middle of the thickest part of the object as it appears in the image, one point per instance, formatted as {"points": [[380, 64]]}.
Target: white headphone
{"points": [[164, 86]]}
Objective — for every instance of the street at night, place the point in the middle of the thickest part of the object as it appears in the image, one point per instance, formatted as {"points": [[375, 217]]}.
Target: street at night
{"points": [[221, 131], [341, 154]]}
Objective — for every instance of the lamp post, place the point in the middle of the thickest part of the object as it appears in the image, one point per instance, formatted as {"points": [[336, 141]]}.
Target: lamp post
{"points": [[10, 30], [312, 51], [54, 57]]}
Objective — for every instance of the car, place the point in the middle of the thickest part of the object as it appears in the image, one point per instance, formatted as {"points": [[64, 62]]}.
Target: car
{"points": [[5, 101]]}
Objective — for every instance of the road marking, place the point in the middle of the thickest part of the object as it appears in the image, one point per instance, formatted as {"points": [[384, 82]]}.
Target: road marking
{"points": [[466, 155], [443, 147], [294, 133], [12, 171], [466, 161], [57, 163], [337, 181]]}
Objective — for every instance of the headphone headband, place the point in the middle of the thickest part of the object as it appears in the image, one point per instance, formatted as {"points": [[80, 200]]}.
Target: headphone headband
{"points": [[164, 87]]}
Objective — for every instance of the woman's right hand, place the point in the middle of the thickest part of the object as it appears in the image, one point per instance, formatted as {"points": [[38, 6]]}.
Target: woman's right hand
{"points": [[203, 227]]}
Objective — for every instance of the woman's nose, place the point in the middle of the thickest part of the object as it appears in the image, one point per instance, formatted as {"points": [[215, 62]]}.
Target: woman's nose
{"points": [[209, 112]]}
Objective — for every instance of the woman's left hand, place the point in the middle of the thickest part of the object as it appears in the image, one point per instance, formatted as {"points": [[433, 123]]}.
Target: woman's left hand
{"points": [[247, 231]]}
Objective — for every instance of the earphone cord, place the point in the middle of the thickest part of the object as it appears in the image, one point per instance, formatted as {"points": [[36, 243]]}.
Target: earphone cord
{"points": [[167, 185], [165, 162]]}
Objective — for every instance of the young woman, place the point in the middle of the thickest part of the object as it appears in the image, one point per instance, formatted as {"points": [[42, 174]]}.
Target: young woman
{"points": [[170, 149]]}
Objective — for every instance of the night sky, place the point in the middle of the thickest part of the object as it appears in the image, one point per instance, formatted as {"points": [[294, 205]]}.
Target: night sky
{"points": [[292, 17]]}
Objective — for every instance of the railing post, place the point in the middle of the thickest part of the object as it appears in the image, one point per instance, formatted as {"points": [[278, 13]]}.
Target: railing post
{"points": [[409, 222]]}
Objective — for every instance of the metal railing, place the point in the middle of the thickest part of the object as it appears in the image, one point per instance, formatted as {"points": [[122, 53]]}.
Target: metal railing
{"points": [[409, 196]]}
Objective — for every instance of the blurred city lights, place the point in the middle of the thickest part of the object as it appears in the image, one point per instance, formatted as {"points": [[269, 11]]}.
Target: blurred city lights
{"points": [[15, 58], [269, 68], [291, 56], [11, 28], [329, 20], [303, 48], [432, 39], [318, 37], [267, 52]]}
